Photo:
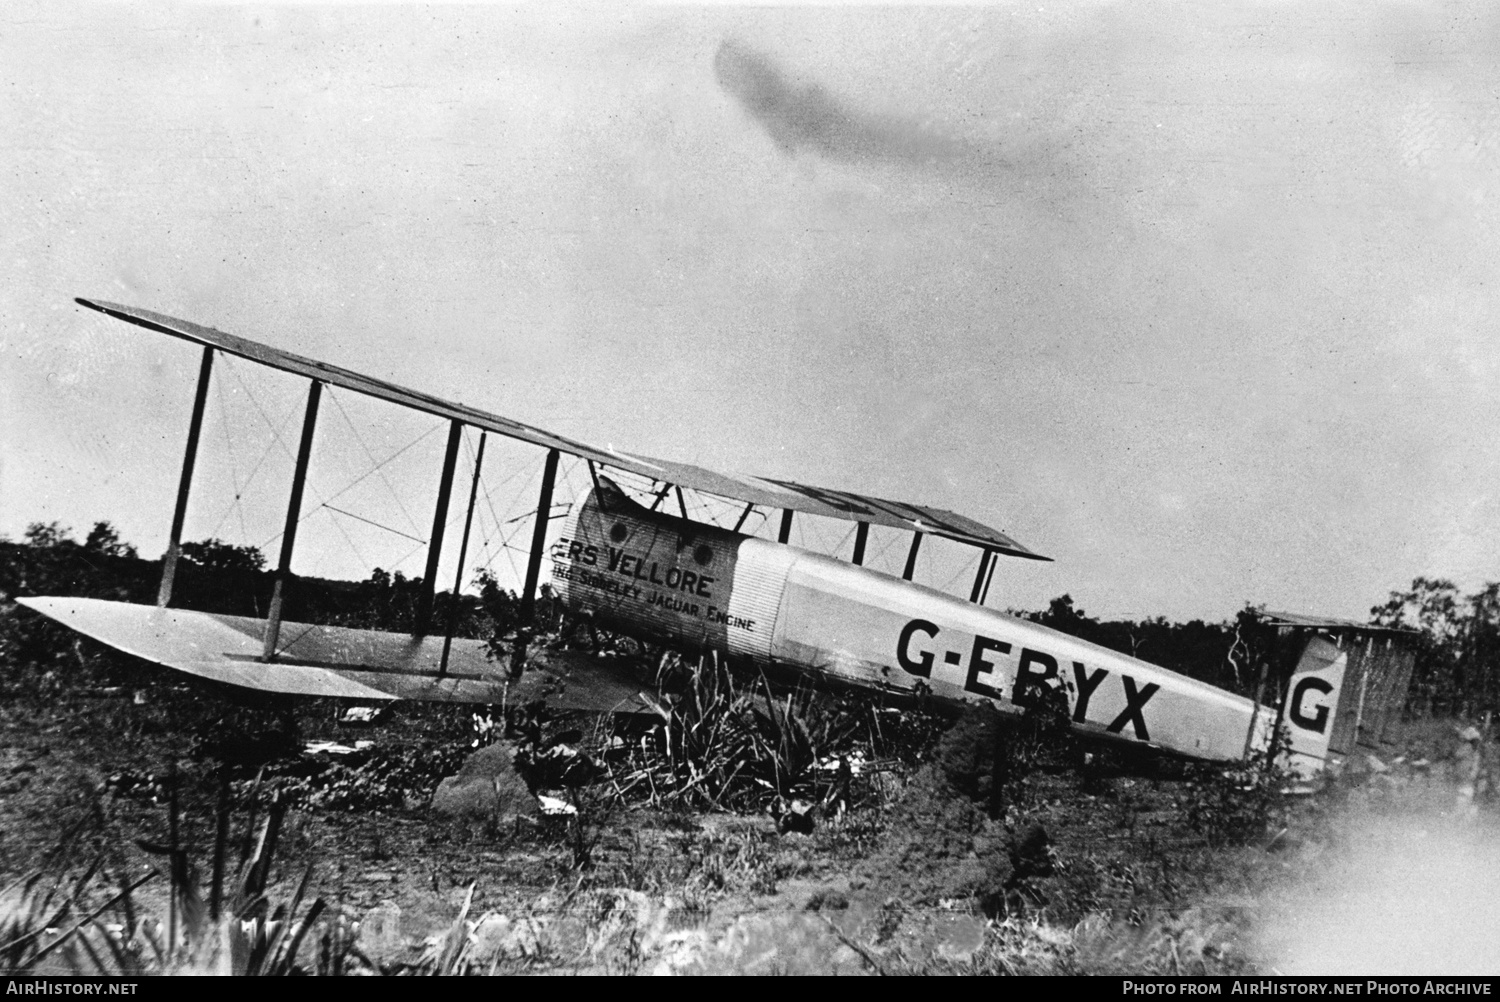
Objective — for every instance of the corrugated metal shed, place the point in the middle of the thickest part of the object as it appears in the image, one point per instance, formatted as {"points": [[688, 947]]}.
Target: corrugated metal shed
{"points": [[1325, 623], [1377, 675]]}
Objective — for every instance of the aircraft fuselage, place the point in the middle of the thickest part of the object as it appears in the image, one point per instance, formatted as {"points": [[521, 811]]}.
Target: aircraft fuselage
{"points": [[702, 587]]}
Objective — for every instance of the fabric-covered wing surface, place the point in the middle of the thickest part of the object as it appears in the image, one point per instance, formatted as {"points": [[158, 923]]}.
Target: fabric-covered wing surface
{"points": [[753, 490], [337, 661]]}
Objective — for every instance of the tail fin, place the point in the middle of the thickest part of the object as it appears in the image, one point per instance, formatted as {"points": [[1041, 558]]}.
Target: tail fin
{"points": [[1312, 704]]}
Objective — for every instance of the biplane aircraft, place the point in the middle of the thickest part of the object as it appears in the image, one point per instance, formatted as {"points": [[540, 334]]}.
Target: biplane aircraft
{"points": [[668, 578]]}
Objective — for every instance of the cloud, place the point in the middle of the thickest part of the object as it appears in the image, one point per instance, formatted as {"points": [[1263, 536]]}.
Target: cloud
{"points": [[808, 118]]}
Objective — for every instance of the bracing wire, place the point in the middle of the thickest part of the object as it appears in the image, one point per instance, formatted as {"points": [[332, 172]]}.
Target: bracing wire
{"points": [[870, 559], [968, 568], [275, 428], [389, 459], [487, 490], [488, 556], [347, 538], [265, 453], [367, 521], [379, 466], [237, 505]]}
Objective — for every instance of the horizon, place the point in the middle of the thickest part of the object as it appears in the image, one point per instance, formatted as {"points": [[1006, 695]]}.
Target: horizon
{"points": [[69, 535]]}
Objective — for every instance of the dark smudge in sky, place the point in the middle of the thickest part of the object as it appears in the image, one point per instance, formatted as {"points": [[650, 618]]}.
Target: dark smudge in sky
{"points": [[807, 117]]}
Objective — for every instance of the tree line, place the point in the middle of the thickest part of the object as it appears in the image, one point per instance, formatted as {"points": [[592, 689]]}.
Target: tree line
{"points": [[1457, 636], [1457, 671]]}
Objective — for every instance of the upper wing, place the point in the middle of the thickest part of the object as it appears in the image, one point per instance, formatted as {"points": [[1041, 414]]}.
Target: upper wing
{"points": [[753, 490]]}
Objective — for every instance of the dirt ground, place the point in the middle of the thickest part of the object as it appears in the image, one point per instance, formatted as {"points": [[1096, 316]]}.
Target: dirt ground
{"points": [[1077, 866]]}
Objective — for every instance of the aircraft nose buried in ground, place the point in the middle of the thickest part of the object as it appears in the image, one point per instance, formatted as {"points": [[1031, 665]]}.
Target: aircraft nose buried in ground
{"points": [[699, 586]]}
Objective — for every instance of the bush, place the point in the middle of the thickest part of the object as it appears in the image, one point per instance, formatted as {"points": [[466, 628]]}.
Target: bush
{"points": [[725, 739], [1236, 805], [238, 929]]}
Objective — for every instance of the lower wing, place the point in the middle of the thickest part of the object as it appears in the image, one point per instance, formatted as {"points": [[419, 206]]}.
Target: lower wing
{"points": [[340, 661]]}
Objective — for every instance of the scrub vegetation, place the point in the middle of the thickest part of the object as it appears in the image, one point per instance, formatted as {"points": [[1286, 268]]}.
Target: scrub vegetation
{"points": [[153, 824]]}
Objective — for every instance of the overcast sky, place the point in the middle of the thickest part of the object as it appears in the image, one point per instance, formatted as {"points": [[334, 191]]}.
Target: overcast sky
{"points": [[1196, 299]]}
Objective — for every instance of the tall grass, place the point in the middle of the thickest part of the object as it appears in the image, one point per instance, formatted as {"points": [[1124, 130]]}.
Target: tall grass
{"points": [[47, 925], [725, 740]]}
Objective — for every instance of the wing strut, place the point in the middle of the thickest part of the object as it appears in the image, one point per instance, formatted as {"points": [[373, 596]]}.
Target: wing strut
{"points": [[534, 562], [463, 549], [174, 542], [786, 526], [911, 556], [293, 510], [861, 537], [984, 593], [976, 595], [439, 523], [763, 492]]}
